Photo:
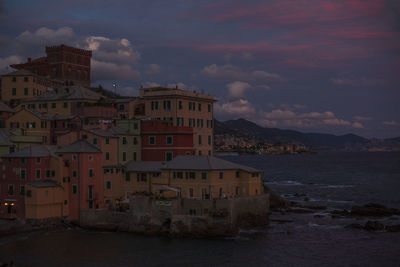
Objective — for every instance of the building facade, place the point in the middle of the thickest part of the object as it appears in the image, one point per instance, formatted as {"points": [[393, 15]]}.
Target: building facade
{"points": [[183, 108], [68, 64]]}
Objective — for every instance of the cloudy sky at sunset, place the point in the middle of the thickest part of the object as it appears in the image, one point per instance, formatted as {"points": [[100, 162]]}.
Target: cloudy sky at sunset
{"points": [[311, 65]]}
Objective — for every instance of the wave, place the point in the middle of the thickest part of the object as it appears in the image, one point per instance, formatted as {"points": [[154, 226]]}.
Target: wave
{"points": [[288, 182]]}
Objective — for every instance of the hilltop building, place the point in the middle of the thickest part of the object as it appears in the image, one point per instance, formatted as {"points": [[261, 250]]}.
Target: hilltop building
{"points": [[70, 65]]}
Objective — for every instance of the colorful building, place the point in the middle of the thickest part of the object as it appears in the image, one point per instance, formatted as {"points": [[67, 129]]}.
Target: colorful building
{"points": [[161, 141], [183, 108], [85, 177], [193, 177], [68, 64], [66, 100], [30, 164], [45, 199], [19, 85]]}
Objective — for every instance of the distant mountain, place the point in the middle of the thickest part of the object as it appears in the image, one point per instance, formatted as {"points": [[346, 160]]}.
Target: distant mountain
{"points": [[248, 129]]}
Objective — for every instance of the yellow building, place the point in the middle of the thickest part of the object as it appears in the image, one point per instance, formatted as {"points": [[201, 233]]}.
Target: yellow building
{"points": [[65, 100], [194, 177], [44, 199], [21, 84], [183, 108], [32, 123]]}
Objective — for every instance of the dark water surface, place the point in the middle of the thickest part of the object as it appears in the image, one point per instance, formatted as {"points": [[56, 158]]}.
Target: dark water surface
{"points": [[337, 180]]}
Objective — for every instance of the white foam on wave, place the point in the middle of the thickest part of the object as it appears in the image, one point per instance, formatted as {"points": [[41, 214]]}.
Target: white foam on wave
{"points": [[288, 182]]}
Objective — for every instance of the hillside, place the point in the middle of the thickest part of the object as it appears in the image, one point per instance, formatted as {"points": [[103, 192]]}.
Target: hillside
{"points": [[247, 129]]}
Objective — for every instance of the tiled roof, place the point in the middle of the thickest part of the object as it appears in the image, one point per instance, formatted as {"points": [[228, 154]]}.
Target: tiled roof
{"points": [[49, 116], [143, 166], [19, 73], [4, 107], [79, 146], [101, 132], [39, 151], [45, 183], [204, 163], [67, 93]]}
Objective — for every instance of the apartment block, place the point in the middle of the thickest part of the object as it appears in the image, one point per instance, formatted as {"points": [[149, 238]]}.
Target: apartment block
{"points": [[183, 108]]}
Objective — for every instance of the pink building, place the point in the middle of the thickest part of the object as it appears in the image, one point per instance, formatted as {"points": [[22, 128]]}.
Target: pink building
{"points": [[85, 173], [26, 165]]}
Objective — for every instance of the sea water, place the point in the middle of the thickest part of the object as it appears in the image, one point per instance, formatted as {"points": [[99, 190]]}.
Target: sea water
{"points": [[338, 180]]}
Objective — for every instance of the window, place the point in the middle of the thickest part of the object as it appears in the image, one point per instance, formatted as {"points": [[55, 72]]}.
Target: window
{"points": [[90, 157], [107, 155], [14, 79], [73, 173], [124, 141], [74, 189], [237, 174], [23, 160], [209, 107], [94, 141], [38, 174], [23, 174], [167, 104], [65, 105], [168, 156], [179, 175], [29, 193], [199, 107], [191, 195], [48, 173], [169, 140], [192, 175], [53, 105], [200, 153], [124, 156], [108, 184], [134, 140], [107, 140], [152, 140], [22, 190], [180, 104], [221, 175], [209, 139], [121, 107], [135, 126], [14, 91], [199, 139], [26, 79], [10, 189], [90, 172], [25, 91], [134, 156], [204, 176], [127, 177]]}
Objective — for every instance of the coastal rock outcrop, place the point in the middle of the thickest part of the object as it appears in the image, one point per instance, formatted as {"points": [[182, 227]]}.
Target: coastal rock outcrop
{"points": [[368, 210], [276, 201]]}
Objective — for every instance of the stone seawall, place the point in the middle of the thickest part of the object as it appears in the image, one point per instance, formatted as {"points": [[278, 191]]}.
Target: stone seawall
{"points": [[182, 217]]}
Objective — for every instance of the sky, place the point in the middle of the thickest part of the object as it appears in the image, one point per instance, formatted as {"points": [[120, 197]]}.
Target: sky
{"points": [[330, 66]]}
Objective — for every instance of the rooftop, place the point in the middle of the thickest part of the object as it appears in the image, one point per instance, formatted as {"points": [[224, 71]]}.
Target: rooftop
{"points": [[79, 146], [5, 108], [39, 151], [67, 93], [143, 166], [20, 73], [205, 163]]}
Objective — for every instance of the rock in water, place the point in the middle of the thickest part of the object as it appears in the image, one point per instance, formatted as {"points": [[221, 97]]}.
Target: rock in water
{"points": [[354, 226], [373, 226], [393, 228]]}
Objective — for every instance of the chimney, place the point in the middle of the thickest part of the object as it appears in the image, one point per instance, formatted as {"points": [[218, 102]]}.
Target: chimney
{"points": [[29, 60]]}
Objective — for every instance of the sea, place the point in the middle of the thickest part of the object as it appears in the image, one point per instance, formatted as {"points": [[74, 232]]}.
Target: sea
{"points": [[338, 180]]}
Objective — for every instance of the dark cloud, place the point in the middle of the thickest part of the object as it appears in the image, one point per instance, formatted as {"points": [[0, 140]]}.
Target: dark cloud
{"points": [[393, 7]]}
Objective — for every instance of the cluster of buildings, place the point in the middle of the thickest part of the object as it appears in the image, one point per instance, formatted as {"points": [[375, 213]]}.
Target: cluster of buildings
{"points": [[65, 148]]}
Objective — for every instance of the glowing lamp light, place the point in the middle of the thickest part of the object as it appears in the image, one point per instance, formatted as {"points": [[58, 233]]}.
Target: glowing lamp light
{"points": [[12, 204], [5, 204]]}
